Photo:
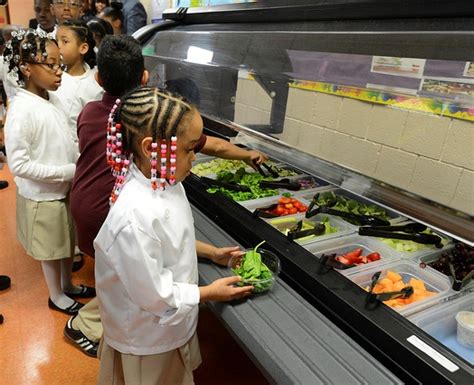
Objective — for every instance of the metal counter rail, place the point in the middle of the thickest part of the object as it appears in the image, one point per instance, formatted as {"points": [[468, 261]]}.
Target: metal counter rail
{"points": [[288, 339]]}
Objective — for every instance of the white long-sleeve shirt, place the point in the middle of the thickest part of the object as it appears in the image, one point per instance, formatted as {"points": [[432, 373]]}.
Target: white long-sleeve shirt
{"points": [[75, 92], [40, 151], [146, 269]]}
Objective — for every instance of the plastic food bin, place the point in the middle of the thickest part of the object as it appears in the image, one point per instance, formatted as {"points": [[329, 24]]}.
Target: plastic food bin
{"points": [[288, 221], [349, 243], [253, 204], [422, 250], [440, 322], [426, 259], [394, 216], [434, 281]]}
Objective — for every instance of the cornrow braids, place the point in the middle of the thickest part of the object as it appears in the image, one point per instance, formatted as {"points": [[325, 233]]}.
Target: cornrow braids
{"points": [[24, 47], [145, 111], [84, 34]]}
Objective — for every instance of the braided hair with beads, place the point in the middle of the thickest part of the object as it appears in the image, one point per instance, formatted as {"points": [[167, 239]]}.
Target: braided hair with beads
{"points": [[24, 47], [145, 111]]}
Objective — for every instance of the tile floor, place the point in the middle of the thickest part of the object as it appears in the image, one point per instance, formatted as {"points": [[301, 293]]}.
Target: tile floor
{"points": [[33, 349]]}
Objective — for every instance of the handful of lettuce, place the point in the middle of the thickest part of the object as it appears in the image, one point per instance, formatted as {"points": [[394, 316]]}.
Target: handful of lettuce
{"points": [[254, 272]]}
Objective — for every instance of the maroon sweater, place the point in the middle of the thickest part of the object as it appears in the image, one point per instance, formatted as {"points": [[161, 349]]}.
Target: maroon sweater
{"points": [[93, 181]]}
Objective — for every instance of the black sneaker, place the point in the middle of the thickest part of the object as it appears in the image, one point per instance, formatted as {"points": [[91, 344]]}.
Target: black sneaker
{"points": [[79, 340]]}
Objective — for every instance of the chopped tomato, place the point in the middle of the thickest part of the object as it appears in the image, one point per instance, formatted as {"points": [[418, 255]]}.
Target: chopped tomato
{"points": [[353, 254], [284, 200], [279, 210], [289, 205], [303, 208], [373, 257], [292, 210]]}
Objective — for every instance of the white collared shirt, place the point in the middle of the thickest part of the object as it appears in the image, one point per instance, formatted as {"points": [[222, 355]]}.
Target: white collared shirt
{"points": [[146, 269], [75, 92], [40, 151], [51, 34]]}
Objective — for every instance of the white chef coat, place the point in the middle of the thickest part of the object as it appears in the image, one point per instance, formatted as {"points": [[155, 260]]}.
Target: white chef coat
{"points": [[146, 269], [40, 151], [75, 92]]}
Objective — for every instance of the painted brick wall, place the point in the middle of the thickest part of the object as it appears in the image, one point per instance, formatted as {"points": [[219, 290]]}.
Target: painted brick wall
{"points": [[430, 155]]}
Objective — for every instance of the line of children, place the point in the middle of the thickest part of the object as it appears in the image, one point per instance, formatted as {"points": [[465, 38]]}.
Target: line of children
{"points": [[146, 262], [42, 158]]}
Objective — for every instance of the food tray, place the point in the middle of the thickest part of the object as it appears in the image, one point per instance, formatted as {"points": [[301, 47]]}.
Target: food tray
{"points": [[394, 216], [414, 255], [344, 228], [426, 259], [348, 243], [440, 322], [433, 280]]}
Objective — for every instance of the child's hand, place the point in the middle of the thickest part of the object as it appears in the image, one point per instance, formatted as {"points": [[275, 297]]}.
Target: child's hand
{"points": [[222, 255], [255, 157], [223, 290]]}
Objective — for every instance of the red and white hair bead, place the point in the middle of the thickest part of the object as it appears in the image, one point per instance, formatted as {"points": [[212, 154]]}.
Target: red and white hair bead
{"points": [[173, 147], [163, 152]]}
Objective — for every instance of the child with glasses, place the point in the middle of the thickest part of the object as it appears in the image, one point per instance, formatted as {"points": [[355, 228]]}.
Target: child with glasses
{"points": [[42, 158], [67, 10]]}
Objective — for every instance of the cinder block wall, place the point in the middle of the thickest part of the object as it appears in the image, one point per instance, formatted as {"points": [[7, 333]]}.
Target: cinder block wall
{"points": [[430, 155]]}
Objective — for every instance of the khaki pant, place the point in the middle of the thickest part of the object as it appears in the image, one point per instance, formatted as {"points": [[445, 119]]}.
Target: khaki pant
{"points": [[170, 368], [88, 321]]}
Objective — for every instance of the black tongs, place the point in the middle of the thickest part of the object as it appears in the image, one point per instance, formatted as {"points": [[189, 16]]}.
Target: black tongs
{"points": [[282, 183], [371, 296], [226, 185], [271, 171], [264, 212], [410, 231], [315, 209], [296, 232], [458, 284]]}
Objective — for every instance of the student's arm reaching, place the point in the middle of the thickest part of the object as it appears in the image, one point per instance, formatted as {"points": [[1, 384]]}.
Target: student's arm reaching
{"points": [[223, 149]]}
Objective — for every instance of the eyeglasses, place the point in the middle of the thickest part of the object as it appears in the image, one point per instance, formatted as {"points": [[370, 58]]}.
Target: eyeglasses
{"points": [[71, 3], [53, 67]]}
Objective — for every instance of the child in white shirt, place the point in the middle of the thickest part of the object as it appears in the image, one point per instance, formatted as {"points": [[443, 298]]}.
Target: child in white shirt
{"points": [[146, 251], [78, 86], [42, 157]]}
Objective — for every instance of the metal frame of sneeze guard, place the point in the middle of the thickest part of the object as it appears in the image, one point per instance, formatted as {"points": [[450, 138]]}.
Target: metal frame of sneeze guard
{"points": [[454, 224]]}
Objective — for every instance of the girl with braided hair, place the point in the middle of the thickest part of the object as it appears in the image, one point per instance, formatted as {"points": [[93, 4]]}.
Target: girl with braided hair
{"points": [[78, 86], [42, 157], [146, 251]]}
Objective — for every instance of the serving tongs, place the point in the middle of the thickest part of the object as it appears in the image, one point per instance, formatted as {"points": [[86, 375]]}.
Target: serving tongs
{"points": [[296, 233], [315, 209], [264, 212], [458, 284], [410, 231], [331, 261], [271, 171], [226, 185], [372, 297], [282, 183]]}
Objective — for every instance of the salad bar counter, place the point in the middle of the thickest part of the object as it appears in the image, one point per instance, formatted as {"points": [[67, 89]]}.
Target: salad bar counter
{"points": [[363, 276], [378, 287]]}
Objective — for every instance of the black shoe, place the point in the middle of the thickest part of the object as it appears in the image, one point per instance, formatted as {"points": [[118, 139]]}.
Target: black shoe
{"points": [[86, 292], [71, 310], [3, 184], [5, 282], [77, 265], [79, 340]]}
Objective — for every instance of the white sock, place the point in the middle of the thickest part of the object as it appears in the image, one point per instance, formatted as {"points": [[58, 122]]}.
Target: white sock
{"points": [[66, 273], [52, 276]]}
